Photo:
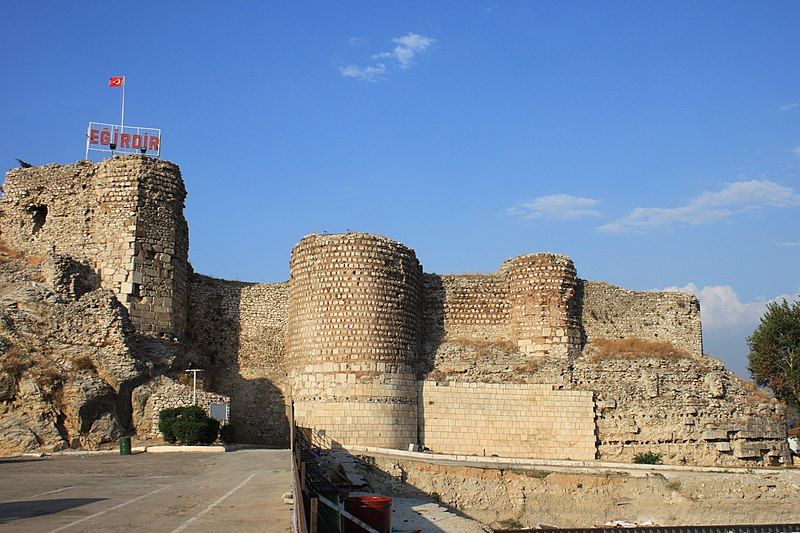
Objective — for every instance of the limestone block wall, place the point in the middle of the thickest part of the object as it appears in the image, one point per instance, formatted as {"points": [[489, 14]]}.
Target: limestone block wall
{"points": [[240, 329], [123, 216], [691, 410], [507, 420], [614, 313], [355, 309]]}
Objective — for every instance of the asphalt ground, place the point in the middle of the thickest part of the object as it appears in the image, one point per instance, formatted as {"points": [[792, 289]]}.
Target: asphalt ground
{"points": [[225, 492]]}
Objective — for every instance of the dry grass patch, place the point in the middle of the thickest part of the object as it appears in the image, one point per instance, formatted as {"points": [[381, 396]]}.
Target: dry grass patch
{"points": [[6, 252], [632, 348], [755, 394], [83, 362], [14, 362]]}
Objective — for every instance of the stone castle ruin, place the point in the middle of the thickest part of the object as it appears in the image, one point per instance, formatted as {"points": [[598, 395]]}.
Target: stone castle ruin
{"points": [[529, 361]]}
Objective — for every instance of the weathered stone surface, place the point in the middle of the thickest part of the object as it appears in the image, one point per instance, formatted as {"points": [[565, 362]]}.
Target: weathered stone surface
{"points": [[123, 217], [352, 338]]}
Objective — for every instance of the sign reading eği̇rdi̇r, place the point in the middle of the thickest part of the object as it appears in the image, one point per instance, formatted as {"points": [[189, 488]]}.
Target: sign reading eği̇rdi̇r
{"points": [[113, 138]]}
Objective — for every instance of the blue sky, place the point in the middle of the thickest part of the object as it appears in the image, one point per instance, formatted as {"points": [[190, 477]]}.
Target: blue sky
{"points": [[657, 144]]}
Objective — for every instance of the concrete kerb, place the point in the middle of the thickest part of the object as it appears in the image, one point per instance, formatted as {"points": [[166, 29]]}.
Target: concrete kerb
{"points": [[509, 463], [134, 450]]}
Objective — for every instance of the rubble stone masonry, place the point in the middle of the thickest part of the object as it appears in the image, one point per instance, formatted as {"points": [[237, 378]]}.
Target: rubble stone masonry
{"points": [[123, 215], [355, 304], [372, 351]]}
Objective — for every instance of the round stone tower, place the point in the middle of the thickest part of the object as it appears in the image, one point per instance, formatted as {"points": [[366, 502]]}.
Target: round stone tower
{"points": [[355, 307], [544, 315]]}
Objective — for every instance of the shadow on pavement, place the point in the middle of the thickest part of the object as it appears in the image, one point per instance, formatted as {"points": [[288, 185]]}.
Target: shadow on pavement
{"points": [[11, 511]]}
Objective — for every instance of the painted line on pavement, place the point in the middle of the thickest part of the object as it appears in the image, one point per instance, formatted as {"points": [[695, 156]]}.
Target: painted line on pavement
{"points": [[45, 493], [219, 501], [123, 504]]}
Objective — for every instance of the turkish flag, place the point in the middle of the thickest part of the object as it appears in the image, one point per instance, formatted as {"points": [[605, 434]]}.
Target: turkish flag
{"points": [[116, 81]]}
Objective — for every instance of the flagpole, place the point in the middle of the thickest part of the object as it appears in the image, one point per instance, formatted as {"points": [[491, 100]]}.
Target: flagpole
{"points": [[122, 122]]}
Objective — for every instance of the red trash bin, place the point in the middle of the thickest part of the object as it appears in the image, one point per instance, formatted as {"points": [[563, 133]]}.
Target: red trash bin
{"points": [[375, 511]]}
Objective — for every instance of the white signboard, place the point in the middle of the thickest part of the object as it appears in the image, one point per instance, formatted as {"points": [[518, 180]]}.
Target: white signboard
{"points": [[219, 411], [112, 138]]}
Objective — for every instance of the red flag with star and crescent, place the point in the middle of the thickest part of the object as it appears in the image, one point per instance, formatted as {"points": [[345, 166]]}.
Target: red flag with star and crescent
{"points": [[116, 81]]}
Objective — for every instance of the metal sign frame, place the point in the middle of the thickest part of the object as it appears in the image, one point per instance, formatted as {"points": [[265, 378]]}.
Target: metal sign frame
{"points": [[115, 133]]}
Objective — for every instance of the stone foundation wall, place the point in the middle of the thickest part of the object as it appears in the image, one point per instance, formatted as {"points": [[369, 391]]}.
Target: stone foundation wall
{"points": [[690, 410], [611, 312], [507, 420], [240, 329]]}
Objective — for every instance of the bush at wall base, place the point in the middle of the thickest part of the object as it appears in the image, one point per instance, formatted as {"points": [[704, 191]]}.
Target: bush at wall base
{"points": [[187, 425], [647, 458]]}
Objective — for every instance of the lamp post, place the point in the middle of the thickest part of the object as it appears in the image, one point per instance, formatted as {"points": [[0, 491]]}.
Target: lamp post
{"points": [[194, 372]]}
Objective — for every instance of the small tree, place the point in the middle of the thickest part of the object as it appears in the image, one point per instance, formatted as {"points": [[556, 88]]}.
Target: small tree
{"points": [[774, 359]]}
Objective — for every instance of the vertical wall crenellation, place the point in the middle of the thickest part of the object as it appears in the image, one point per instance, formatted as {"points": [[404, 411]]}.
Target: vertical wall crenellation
{"points": [[544, 312], [355, 310]]}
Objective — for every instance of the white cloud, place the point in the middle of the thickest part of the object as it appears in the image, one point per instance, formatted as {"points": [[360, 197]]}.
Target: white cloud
{"points": [[721, 308], [707, 207], [407, 47], [789, 244], [357, 41], [789, 107], [796, 150], [371, 73], [556, 206]]}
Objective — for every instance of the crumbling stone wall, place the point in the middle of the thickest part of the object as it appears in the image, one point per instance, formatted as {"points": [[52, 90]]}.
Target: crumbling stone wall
{"points": [[507, 420], [359, 323], [355, 310], [123, 216], [611, 312], [690, 410], [240, 329]]}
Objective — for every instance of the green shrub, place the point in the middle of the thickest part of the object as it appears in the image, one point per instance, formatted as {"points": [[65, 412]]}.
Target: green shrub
{"points": [[227, 434], [189, 431], [166, 421], [187, 425], [647, 458]]}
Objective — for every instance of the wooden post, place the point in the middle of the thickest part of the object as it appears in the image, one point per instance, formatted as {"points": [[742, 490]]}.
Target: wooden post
{"points": [[303, 475], [312, 528]]}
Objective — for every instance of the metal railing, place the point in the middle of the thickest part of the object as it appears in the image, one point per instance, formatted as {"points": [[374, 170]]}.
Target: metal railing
{"points": [[318, 506]]}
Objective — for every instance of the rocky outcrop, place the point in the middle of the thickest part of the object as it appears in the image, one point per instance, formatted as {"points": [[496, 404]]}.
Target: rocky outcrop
{"points": [[70, 358]]}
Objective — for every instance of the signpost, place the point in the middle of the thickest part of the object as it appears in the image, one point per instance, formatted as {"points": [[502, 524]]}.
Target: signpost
{"points": [[194, 372]]}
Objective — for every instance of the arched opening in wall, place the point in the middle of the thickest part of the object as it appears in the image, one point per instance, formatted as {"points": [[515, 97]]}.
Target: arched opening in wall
{"points": [[38, 217]]}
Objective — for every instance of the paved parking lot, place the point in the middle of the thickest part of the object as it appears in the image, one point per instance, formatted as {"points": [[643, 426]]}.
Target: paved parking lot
{"points": [[225, 492]]}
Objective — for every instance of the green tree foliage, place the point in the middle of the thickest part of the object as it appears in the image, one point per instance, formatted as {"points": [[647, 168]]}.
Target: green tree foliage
{"points": [[775, 352], [187, 425]]}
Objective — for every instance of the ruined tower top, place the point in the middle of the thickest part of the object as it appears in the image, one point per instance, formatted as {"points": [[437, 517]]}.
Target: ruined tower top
{"points": [[123, 216]]}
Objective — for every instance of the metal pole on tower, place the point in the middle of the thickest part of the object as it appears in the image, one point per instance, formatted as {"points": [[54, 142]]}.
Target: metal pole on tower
{"points": [[122, 121]]}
